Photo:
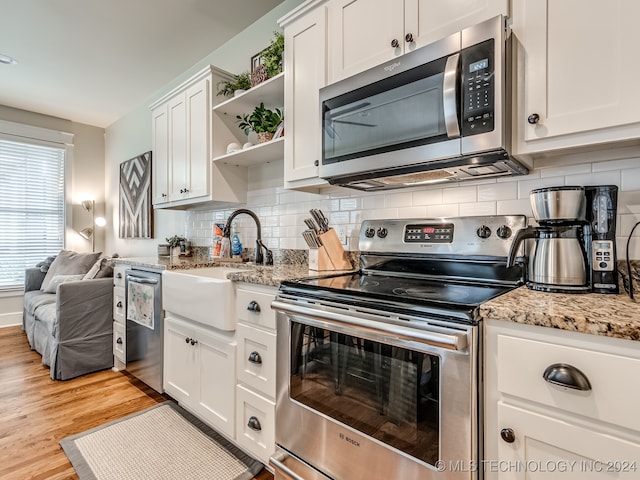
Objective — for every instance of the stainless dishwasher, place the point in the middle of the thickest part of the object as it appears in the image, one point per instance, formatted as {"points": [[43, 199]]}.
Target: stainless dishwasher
{"points": [[145, 319]]}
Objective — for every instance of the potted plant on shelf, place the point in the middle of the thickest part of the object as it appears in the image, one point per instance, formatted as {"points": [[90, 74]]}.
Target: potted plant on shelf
{"points": [[272, 55], [262, 120], [241, 84]]}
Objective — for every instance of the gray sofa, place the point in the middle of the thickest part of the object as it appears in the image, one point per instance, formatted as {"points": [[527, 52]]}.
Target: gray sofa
{"points": [[73, 328]]}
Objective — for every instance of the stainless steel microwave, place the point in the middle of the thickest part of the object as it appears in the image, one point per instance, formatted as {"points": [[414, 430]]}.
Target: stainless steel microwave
{"points": [[437, 114]]}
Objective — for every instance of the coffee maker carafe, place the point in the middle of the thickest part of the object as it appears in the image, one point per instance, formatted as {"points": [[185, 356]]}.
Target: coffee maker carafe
{"points": [[574, 244], [558, 259]]}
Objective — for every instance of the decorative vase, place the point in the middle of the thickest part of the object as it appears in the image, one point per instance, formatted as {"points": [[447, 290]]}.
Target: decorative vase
{"points": [[264, 137]]}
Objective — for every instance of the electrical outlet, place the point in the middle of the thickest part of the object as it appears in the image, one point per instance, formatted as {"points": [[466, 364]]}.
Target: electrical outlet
{"points": [[341, 235]]}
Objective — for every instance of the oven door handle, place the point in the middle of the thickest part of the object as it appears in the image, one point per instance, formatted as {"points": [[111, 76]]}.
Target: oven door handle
{"points": [[149, 281], [450, 341]]}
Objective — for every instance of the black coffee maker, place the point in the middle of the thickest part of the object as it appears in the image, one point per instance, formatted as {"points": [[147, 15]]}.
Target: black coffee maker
{"points": [[602, 206]]}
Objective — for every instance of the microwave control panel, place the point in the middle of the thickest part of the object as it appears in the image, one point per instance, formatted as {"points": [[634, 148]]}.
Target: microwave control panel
{"points": [[478, 88]]}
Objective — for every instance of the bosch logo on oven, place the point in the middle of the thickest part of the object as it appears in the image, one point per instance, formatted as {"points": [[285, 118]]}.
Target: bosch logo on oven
{"points": [[349, 440]]}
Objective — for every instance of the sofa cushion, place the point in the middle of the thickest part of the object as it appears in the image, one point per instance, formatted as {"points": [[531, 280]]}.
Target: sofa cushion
{"points": [[36, 298], [103, 268], [69, 263], [59, 280]]}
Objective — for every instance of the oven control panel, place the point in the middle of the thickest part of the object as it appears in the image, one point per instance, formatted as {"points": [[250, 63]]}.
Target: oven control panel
{"points": [[429, 233], [489, 235]]}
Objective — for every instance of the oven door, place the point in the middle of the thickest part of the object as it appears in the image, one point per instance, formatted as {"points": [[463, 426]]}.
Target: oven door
{"points": [[359, 397]]}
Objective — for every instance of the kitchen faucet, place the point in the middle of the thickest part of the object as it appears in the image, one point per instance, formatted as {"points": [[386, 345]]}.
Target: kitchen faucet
{"points": [[259, 245]]}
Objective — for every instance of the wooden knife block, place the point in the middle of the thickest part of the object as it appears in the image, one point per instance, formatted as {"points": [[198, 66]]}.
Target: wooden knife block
{"points": [[330, 256]]}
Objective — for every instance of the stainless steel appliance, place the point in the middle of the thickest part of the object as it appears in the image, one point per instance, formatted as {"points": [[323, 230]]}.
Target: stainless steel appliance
{"points": [[574, 246], [436, 114], [145, 317], [378, 372]]}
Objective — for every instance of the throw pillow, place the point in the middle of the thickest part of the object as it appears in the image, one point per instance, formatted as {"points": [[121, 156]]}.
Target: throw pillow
{"points": [[103, 268], [46, 263], [69, 263], [59, 280]]}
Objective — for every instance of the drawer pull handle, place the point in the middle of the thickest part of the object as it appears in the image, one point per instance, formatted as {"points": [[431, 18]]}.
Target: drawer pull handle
{"points": [[253, 306], [119, 341], [119, 304], [566, 375], [193, 341], [254, 357], [187, 340], [254, 424], [508, 435]]}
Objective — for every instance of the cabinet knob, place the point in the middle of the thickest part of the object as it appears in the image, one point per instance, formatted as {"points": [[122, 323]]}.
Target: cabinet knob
{"points": [[254, 424], [254, 357], [119, 341], [193, 342], [163, 195], [187, 340], [533, 118], [119, 304], [566, 375], [253, 306], [508, 435], [118, 275], [409, 37], [395, 43], [316, 163], [184, 190]]}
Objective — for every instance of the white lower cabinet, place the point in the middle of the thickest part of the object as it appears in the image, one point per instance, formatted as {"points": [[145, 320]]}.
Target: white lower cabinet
{"points": [[256, 369], [559, 404], [199, 371], [119, 318]]}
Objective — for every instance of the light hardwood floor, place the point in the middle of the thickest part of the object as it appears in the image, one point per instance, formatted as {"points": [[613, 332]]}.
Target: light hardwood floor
{"points": [[37, 412]]}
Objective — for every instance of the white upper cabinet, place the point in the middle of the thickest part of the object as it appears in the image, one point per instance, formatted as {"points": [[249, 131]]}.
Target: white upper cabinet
{"points": [[182, 143], [305, 67], [366, 33], [577, 73]]}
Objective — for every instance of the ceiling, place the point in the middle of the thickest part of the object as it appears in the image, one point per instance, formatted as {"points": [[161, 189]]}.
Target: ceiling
{"points": [[94, 61]]}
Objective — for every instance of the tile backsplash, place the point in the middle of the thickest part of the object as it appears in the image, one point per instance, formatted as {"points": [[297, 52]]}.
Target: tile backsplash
{"points": [[282, 212]]}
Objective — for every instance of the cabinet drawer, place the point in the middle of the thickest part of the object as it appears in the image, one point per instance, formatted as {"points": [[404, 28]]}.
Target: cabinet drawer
{"points": [[119, 305], [119, 342], [258, 313], [257, 359], [255, 424], [613, 379], [119, 271]]}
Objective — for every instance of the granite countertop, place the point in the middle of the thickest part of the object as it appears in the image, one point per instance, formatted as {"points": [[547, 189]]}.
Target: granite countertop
{"points": [[597, 314], [248, 272]]}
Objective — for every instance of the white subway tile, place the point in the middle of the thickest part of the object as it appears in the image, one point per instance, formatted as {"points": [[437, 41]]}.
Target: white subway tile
{"points": [[460, 195], [445, 210], [626, 223], [350, 203], [498, 191], [616, 164], [477, 208], [401, 199], [427, 197], [371, 202], [339, 218], [611, 177], [564, 170], [630, 179], [355, 216], [514, 207], [414, 212]]}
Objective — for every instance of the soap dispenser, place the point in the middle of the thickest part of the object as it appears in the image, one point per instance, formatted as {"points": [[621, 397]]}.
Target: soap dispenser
{"points": [[236, 246]]}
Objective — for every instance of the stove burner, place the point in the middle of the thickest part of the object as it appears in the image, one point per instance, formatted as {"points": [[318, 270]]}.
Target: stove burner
{"points": [[368, 282], [426, 292]]}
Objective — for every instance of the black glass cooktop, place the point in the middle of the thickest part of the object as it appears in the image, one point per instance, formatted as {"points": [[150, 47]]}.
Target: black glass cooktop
{"points": [[412, 293]]}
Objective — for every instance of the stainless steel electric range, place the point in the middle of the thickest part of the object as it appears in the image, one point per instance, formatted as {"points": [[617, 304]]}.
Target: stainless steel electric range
{"points": [[379, 372]]}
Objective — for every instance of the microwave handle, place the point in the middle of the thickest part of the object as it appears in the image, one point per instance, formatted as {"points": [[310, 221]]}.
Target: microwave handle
{"points": [[449, 97]]}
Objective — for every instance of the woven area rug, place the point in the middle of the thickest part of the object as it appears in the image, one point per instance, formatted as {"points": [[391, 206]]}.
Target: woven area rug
{"points": [[163, 442]]}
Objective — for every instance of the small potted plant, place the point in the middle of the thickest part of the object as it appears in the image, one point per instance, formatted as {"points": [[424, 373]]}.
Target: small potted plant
{"points": [[241, 84], [175, 244], [271, 56], [262, 120]]}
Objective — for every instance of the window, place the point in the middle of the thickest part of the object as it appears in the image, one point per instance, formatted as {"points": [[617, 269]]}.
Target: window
{"points": [[32, 199]]}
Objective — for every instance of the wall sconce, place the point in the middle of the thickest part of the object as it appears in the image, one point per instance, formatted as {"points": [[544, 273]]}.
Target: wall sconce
{"points": [[88, 232]]}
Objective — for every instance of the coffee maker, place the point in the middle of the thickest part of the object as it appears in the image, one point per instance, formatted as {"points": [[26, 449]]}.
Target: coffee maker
{"points": [[574, 245]]}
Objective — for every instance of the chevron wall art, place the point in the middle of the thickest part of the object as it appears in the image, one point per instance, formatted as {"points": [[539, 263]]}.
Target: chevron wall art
{"points": [[136, 214]]}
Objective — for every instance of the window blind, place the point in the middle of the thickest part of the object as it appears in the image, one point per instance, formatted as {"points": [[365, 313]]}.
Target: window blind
{"points": [[32, 219]]}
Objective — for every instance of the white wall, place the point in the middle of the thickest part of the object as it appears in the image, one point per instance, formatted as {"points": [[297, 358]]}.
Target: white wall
{"points": [[282, 212]]}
